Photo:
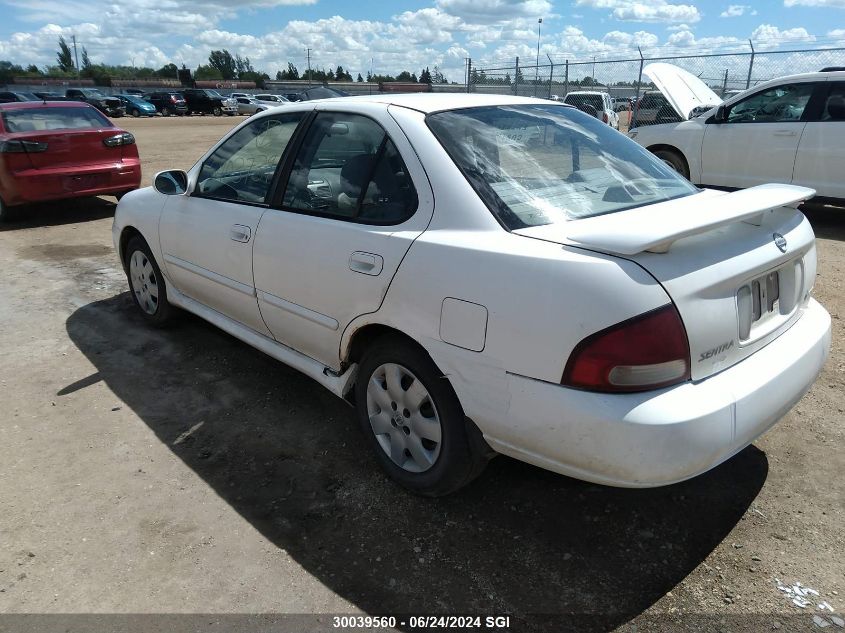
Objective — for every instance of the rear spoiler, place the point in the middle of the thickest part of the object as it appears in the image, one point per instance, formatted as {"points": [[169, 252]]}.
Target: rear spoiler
{"points": [[655, 227]]}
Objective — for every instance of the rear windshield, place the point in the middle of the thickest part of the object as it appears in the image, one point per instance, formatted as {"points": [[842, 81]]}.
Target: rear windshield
{"points": [[36, 120], [539, 164], [590, 100]]}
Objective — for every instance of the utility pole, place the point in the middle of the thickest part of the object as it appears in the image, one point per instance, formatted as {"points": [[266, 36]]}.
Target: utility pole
{"points": [[537, 68], [75, 54], [308, 53]]}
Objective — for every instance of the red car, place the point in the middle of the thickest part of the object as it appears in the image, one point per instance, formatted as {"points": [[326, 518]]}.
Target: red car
{"points": [[52, 150]]}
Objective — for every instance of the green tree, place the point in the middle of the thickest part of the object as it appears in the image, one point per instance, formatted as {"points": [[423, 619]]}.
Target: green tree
{"points": [[243, 65], [360, 78], [437, 77], [291, 74], [32, 69], [87, 69], [425, 76], [168, 71], [406, 76], [208, 72], [8, 70], [224, 63], [341, 74], [64, 56]]}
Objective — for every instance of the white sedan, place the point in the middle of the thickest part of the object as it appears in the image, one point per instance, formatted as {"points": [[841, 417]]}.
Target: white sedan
{"points": [[485, 274]]}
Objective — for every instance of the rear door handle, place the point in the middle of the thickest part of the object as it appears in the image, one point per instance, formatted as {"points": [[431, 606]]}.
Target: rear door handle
{"points": [[240, 233], [366, 263], [786, 133]]}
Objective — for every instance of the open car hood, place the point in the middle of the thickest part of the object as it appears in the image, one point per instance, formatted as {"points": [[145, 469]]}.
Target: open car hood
{"points": [[684, 91]]}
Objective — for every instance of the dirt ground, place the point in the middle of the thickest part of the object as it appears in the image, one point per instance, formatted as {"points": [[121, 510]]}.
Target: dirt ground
{"points": [[180, 471]]}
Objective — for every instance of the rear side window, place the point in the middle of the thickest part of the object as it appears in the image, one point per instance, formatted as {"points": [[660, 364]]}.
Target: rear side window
{"points": [[534, 165], [349, 168], [242, 168], [41, 119]]}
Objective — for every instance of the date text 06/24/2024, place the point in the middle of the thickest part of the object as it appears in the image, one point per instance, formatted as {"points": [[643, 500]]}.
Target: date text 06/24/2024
{"points": [[356, 622]]}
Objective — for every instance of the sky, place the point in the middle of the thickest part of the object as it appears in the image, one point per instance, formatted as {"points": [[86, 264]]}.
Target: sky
{"points": [[387, 37]]}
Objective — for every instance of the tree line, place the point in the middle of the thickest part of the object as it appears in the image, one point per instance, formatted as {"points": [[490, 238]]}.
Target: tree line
{"points": [[222, 65]]}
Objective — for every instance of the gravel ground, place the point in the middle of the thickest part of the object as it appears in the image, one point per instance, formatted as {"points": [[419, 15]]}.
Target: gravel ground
{"points": [[180, 471]]}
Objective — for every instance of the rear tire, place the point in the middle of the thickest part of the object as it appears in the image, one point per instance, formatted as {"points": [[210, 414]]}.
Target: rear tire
{"points": [[135, 112], [674, 160], [413, 420], [165, 111], [146, 283]]}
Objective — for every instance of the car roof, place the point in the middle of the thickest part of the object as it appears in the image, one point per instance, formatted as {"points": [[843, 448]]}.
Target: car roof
{"points": [[29, 105], [587, 92], [433, 101]]}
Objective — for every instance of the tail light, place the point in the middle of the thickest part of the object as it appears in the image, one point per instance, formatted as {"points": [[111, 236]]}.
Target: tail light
{"points": [[604, 117], [124, 138], [173, 99], [647, 352], [22, 147]]}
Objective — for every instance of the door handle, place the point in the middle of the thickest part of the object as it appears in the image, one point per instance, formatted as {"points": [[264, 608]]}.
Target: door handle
{"points": [[366, 263], [240, 233], [785, 133]]}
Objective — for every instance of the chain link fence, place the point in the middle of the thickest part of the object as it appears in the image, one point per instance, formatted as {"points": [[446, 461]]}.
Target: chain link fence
{"points": [[627, 84]]}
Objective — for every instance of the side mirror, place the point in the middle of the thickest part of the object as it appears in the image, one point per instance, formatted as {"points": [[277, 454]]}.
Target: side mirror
{"points": [[721, 115], [171, 183]]}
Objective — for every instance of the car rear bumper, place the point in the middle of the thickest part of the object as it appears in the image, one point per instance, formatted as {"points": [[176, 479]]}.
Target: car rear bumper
{"points": [[661, 437], [56, 183]]}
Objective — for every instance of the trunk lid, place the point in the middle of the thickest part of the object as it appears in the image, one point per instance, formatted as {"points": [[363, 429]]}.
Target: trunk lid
{"points": [[685, 92], [71, 147], [738, 266]]}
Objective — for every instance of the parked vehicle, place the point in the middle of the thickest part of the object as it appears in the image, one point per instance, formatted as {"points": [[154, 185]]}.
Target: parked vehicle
{"points": [[600, 101], [621, 104], [653, 109], [134, 91], [276, 99], [569, 300], [318, 92], [50, 96], [790, 130], [111, 106], [251, 106], [205, 101], [235, 95], [168, 103], [15, 97], [136, 106], [55, 150]]}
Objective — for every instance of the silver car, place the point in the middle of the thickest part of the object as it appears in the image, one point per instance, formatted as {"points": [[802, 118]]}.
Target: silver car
{"points": [[249, 106]]}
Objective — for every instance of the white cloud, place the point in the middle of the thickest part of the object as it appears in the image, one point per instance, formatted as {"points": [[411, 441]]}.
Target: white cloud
{"points": [[737, 10], [495, 11], [645, 10], [772, 35]]}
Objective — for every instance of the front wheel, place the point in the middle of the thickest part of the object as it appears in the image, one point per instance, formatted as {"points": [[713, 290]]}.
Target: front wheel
{"points": [[135, 112], [217, 111], [413, 420], [149, 290], [674, 160]]}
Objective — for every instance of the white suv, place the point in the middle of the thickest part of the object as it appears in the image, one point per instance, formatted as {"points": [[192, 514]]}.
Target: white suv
{"points": [[590, 100], [788, 130]]}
